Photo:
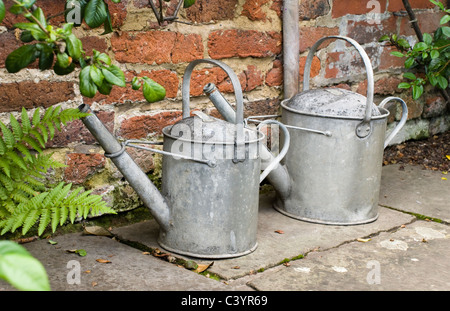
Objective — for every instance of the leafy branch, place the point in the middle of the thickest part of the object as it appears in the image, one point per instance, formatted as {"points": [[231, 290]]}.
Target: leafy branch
{"points": [[60, 50], [431, 54]]}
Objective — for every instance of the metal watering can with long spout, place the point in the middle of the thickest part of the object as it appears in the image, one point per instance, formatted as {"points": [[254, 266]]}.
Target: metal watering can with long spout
{"points": [[332, 171], [208, 204]]}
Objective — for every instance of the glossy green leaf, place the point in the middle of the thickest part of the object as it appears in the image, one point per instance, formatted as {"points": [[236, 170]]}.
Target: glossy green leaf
{"points": [[136, 83], [188, 3], [96, 75], [63, 60], [153, 91], [74, 46], [420, 46], [46, 56], [409, 75], [114, 75], [417, 91], [2, 11], [20, 58], [87, 87], [21, 269], [95, 13], [397, 54], [404, 85]]}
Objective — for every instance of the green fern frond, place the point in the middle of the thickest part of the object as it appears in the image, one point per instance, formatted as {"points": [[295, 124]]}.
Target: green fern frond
{"points": [[17, 129], [8, 136], [25, 200]]}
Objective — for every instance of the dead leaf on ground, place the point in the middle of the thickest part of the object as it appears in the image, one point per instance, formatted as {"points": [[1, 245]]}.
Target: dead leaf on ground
{"points": [[102, 260], [363, 240], [203, 267], [96, 230], [279, 231]]}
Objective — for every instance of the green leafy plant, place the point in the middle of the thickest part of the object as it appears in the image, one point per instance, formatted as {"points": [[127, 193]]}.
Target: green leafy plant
{"points": [[60, 50], [427, 60], [25, 198], [19, 268]]}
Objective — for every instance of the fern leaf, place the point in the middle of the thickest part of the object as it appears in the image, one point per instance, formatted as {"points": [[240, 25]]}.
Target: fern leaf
{"points": [[26, 125], [64, 214], [2, 146], [4, 165], [7, 182], [48, 113], [44, 132], [58, 217], [36, 117], [3, 193], [33, 143], [8, 136], [26, 153], [26, 188], [17, 220], [44, 220], [51, 128], [17, 129], [30, 220], [38, 136], [18, 160]]}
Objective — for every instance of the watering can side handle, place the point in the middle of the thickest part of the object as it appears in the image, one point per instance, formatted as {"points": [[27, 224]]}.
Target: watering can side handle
{"points": [[367, 63], [403, 119], [272, 165]]}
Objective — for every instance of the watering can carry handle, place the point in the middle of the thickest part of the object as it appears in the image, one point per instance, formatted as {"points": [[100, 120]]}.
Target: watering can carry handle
{"points": [[367, 63], [185, 92], [287, 139], [234, 80], [402, 120]]}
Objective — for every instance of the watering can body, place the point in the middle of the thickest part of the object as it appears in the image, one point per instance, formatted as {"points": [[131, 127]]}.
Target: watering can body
{"points": [[208, 204], [332, 171], [335, 177]]}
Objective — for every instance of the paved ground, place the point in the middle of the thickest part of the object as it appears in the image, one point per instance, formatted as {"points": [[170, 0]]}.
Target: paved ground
{"points": [[407, 248]]}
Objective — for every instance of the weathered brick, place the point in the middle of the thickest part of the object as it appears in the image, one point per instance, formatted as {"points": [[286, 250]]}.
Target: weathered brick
{"points": [[8, 43], [28, 94], [204, 11], [81, 166], [311, 9], [395, 6], [50, 8], [168, 79], [93, 43], [365, 32], [156, 47], [428, 23], [383, 86], [76, 133], [348, 63], [145, 125], [275, 76], [253, 9], [243, 43], [310, 35], [315, 67], [387, 61], [434, 107], [356, 7], [118, 12]]}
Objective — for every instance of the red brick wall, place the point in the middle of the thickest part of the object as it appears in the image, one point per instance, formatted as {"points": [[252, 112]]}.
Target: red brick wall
{"points": [[245, 34]]}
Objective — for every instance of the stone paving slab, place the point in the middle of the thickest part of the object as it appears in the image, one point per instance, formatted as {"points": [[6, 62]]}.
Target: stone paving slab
{"points": [[413, 258], [413, 189], [299, 238], [128, 270]]}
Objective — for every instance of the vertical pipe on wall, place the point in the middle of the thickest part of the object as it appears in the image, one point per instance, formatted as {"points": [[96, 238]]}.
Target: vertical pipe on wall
{"points": [[291, 48]]}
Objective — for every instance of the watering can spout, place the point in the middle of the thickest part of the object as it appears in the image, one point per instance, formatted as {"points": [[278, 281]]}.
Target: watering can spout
{"points": [[137, 179], [279, 176]]}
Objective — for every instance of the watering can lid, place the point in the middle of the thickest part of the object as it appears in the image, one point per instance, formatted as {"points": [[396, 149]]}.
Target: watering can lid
{"points": [[205, 128], [331, 102]]}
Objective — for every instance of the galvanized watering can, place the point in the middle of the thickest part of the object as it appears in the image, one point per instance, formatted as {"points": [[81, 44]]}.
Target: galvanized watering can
{"points": [[208, 205], [332, 171]]}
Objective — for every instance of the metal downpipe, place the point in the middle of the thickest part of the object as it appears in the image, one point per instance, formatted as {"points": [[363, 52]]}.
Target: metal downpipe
{"points": [[291, 48]]}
